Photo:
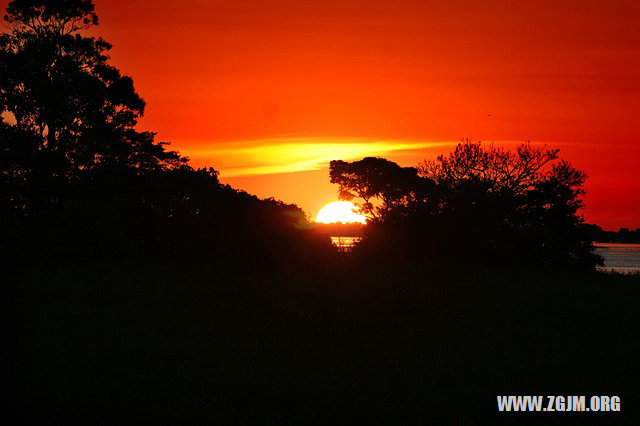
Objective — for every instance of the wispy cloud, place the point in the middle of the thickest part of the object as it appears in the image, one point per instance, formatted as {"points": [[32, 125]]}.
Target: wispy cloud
{"points": [[284, 155]]}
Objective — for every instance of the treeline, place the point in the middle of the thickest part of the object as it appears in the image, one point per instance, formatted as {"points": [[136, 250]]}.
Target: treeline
{"points": [[179, 215], [623, 235], [79, 181]]}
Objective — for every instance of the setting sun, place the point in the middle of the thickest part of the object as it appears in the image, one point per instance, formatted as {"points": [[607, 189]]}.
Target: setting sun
{"points": [[339, 211]]}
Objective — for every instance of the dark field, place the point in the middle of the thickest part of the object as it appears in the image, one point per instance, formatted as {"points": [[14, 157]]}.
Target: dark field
{"points": [[151, 344]]}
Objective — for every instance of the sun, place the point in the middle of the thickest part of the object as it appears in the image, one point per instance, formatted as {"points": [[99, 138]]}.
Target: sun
{"points": [[339, 211]]}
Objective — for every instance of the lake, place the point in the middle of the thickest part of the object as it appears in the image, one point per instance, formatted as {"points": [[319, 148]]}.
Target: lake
{"points": [[345, 243], [624, 258]]}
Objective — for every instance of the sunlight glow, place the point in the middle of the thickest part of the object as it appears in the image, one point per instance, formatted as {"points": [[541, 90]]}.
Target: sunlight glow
{"points": [[340, 211], [286, 155]]}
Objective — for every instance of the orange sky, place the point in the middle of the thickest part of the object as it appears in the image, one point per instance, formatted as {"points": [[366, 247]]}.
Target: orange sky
{"points": [[268, 91]]}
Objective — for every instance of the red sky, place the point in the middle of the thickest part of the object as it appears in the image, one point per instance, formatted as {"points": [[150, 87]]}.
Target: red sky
{"points": [[268, 91]]}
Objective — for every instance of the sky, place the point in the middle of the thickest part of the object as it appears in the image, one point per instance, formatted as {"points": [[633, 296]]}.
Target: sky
{"points": [[268, 92]]}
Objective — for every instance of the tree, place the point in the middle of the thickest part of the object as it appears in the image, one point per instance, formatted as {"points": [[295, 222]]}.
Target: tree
{"points": [[522, 204], [386, 189], [496, 168], [65, 111], [56, 85], [477, 204], [530, 177]]}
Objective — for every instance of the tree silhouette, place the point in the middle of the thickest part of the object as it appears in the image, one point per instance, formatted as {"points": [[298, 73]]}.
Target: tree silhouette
{"points": [[517, 204], [477, 204], [385, 188], [497, 168], [79, 180], [57, 86], [66, 112]]}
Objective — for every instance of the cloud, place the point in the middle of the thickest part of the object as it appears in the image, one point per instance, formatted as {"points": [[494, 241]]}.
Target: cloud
{"points": [[284, 155]]}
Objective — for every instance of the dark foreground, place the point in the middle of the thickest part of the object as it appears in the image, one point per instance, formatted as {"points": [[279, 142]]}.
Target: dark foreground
{"points": [[157, 344]]}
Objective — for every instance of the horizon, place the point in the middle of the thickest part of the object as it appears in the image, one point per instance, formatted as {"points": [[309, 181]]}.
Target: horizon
{"points": [[267, 94]]}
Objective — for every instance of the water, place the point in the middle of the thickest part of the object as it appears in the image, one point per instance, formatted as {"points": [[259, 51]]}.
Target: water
{"points": [[345, 243], [624, 258]]}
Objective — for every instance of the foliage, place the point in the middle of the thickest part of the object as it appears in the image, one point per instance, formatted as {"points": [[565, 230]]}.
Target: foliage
{"points": [[487, 205], [65, 109], [79, 180], [496, 168]]}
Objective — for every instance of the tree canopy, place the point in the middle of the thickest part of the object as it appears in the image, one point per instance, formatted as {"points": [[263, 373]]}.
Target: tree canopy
{"points": [[58, 90], [380, 187], [65, 110], [496, 167]]}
